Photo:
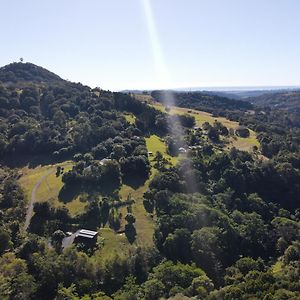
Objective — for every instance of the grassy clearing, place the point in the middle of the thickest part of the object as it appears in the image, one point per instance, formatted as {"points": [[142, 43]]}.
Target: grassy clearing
{"points": [[200, 116], [155, 143], [130, 118], [277, 267], [245, 144], [113, 244], [49, 189], [31, 176]]}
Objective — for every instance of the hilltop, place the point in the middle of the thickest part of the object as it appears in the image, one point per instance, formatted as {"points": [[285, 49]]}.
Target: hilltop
{"points": [[27, 72]]}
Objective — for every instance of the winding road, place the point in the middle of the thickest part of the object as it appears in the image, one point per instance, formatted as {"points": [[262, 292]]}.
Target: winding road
{"points": [[33, 198]]}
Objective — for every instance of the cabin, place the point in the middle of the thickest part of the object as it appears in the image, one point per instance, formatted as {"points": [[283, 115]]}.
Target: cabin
{"points": [[85, 236]]}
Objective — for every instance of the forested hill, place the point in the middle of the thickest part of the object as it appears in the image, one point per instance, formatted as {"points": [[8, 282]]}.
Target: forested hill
{"points": [[204, 101], [289, 101], [61, 117], [27, 72]]}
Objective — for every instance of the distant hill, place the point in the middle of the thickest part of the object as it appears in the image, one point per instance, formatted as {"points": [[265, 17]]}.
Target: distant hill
{"points": [[204, 101], [288, 100], [27, 72]]}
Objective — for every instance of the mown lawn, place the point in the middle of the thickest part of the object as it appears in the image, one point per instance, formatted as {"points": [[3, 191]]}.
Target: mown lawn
{"points": [[49, 188], [130, 118], [113, 245]]}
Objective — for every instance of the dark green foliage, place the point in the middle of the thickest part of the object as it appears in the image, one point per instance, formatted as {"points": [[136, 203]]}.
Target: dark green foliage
{"points": [[203, 101], [242, 132], [226, 222], [19, 72]]}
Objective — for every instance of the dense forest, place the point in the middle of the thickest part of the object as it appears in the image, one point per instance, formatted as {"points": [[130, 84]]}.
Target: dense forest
{"points": [[226, 223]]}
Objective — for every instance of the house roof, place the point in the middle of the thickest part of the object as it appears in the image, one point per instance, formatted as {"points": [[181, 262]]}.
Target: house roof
{"points": [[88, 232]]}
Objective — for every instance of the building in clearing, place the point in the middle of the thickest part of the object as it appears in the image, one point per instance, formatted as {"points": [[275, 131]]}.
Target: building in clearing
{"points": [[104, 161], [86, 236]]}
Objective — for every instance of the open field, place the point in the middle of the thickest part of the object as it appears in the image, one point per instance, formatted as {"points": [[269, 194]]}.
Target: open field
{"points": [[155, 143], [50, 186], [245, 144], [130, 118], [113, 244]]}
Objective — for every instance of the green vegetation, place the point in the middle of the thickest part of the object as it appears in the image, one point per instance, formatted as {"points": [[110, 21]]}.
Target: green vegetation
{"points": [[241, 143], [130, 118], [175, 209]]}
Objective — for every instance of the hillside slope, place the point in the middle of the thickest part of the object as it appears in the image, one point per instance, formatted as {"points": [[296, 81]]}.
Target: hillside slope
{"points": [[289, 101], [27, 72]]}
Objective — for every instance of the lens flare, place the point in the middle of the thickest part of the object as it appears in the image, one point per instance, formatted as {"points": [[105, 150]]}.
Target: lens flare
{"points": [[163, 78]]}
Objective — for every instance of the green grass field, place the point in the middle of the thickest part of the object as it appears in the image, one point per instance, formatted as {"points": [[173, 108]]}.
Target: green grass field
{"points": [[130, 118], [245, 144], [113, 245], [49, 188]]}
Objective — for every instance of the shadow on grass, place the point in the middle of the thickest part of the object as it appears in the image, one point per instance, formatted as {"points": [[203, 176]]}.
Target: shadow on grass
{"points": [[135, 181], [70, 192], [130, 233], [32, 161]]}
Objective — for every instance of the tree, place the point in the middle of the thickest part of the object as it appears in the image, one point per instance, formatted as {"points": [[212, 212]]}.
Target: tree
{"points": [[161, 163], [57, 238], [5, 241], [207, 250], [130, 230], [242, 131], [177, 245], [15, 282]]}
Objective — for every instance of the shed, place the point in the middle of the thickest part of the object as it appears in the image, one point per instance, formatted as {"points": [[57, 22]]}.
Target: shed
{"points": [[86, 236]]}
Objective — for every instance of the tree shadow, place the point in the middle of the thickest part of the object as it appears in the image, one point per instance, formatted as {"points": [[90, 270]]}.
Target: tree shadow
{"points": [[107, 188], [135, 181], [31, 161], [130, 233], [68, 193]]}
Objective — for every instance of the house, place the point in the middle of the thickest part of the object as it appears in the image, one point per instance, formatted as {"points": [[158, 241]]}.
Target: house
{"points": [[86, 236], [150, 153]]}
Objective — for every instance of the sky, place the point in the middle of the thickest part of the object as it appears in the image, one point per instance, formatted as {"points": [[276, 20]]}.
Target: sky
{"points": [[148, 44]]}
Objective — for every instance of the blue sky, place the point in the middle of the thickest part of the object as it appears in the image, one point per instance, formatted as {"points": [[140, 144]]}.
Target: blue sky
{"points": [[118, 44]]}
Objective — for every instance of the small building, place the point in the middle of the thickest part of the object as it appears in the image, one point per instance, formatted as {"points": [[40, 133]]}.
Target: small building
{"points": [[195, 147], [182, 150], [150, 153], [86, 236], [104, 161]]}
